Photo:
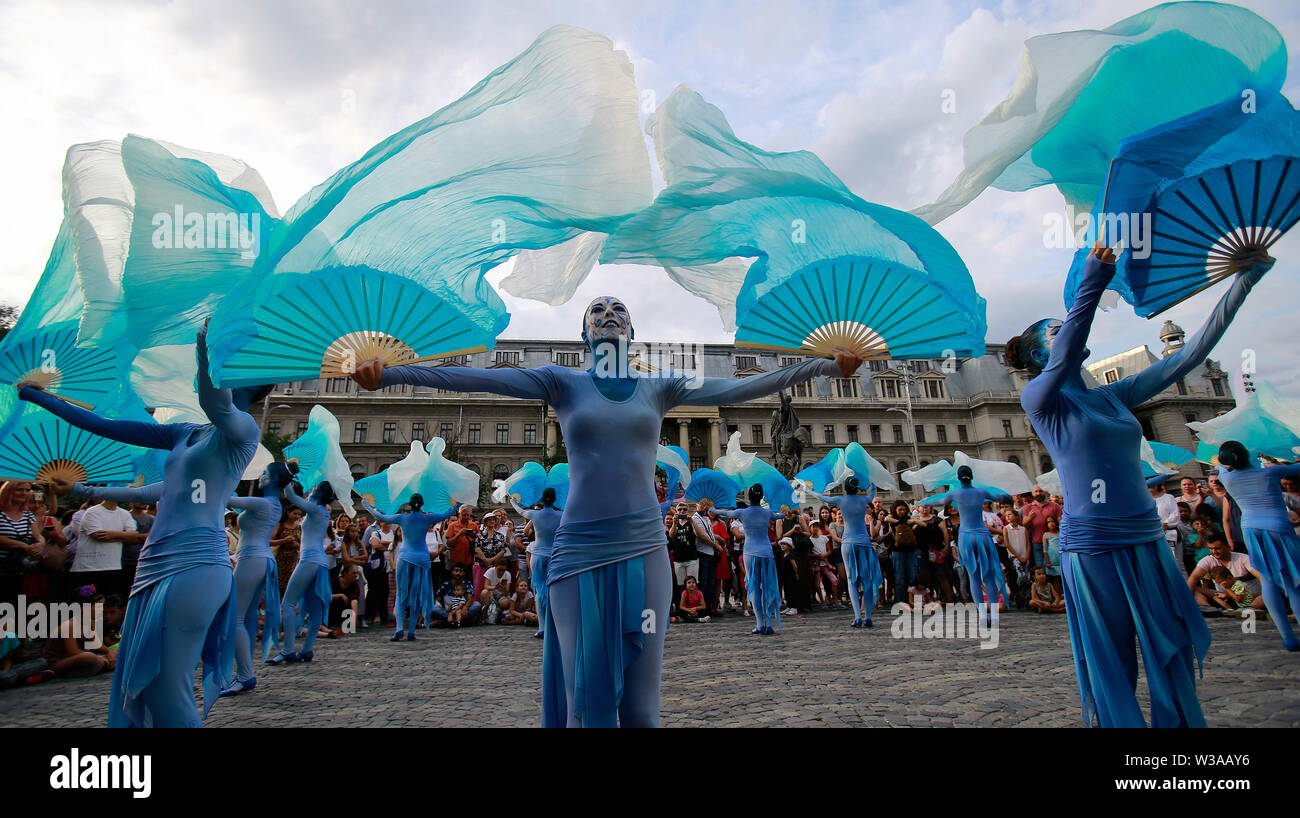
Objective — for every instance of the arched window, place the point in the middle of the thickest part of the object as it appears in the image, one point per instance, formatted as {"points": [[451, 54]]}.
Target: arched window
{"points": [[1013, 460], [902, 466], [925, 463], [695, 442], [1045, 464], [664, 441], [474, 468], [500, 471], [358, 471]]}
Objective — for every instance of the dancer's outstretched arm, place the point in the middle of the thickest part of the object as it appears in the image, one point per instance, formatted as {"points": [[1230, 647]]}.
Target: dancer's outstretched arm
{"points": [[1070, 346], [120, 494], [132, 432], [1136, 389], [726, 391]]}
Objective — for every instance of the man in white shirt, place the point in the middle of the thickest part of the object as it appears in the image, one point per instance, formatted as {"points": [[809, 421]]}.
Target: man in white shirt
{"points": [[1167, 511], [705, 544], [1237, 563], [100, 536]]}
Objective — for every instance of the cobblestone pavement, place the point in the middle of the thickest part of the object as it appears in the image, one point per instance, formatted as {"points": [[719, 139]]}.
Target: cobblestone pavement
{"points": [[816, 672]]}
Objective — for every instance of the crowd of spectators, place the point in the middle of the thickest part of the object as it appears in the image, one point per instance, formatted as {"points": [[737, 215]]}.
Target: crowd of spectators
{"points": [[481, 562]]}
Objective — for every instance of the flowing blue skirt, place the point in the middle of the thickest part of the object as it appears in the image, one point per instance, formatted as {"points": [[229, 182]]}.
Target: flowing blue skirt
{"points": [[414, 592], [863, 570], [541, 564], [271, 603], [1276, 555], [763, 588], [980, 557], [140, 653], [1170, 629]]}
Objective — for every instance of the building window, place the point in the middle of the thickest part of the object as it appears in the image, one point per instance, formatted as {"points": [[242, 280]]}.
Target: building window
{"points": [[475, 434], [829, 431], [875, 433], [445, 431], [1182, 386], [359, 431], [500, 471], [888, 388], [696, 462], [530, 433], [503, 433], [683, 361], [900, 467], [394, 389], [801, 390], [1015, 461], [1044, 463], [1190, 417], [1110, 375], [961, 434], [846, 387], [302, 428], [507, 357], [456, 360], [337, 385], [788, 361], [1006, 428], [853, 434], [898, 433], [273, 428], [877, 365], [731, 430], [1218, 387], [417, 430], [920, 433], [572, 359], [941, 433], [756, 433], [746, 362], [390, 432], [695, 443], [933, 388]]}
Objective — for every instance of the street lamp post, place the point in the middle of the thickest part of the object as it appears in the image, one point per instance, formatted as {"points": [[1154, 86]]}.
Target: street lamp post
{"points": [[906, 378], [267, 408]]}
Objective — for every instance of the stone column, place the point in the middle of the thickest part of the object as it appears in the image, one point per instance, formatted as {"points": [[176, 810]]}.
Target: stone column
{"points": [[684, 435], [552, 437], [715, 440]]}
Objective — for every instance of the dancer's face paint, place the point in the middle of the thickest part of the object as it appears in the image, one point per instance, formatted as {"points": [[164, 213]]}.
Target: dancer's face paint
{"points": [[606, 319]]}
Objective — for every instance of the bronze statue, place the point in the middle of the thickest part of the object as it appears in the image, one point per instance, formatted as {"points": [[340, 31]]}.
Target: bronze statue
{"points": [[788, 438]]}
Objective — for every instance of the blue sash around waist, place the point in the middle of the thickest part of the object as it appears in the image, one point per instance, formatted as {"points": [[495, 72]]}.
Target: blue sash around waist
{"points": [[1097, 534], [584, 545]]}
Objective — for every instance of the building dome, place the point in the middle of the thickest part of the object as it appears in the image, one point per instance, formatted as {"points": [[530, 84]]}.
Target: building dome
{"points": [[1173, 336]]}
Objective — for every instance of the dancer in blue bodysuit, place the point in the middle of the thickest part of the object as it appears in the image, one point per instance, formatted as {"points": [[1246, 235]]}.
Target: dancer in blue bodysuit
{"points": [[1121, 582], [760, 563], [545, 520], [182, 606], [975, 542], [414, 580], [256, 574], [609, 578], [860, 561], [309, 584], [1270, 539]]}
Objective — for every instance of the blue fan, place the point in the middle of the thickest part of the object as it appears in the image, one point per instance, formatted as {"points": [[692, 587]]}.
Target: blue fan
{"points": [[826, 473], [558, 478], [1264, 422], [1219, 185], [1168, 454], [41, 447], [528, 481], [875, 309], [868, 469], [149, 466], [321, 325], [713, 485], [676, 466], [49, 357]]}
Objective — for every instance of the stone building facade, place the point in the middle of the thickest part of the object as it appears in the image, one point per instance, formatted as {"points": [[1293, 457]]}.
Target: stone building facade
{"points": [[905, 413]]}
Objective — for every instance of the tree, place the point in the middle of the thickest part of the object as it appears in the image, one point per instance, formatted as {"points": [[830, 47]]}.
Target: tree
{"points": [[275, 444], [8, 316]]}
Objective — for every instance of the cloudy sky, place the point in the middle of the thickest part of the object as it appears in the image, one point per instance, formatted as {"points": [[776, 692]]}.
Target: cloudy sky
{"points": [[299, 89]]}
